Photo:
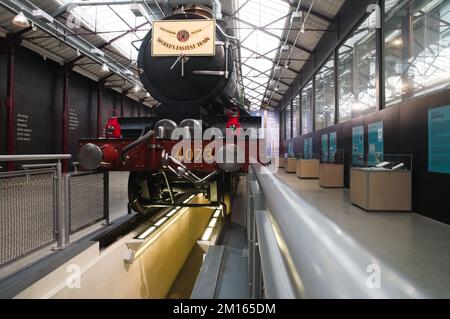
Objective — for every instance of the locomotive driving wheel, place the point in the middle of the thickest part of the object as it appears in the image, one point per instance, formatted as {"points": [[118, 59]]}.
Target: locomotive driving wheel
{"points": [[144, 188]]}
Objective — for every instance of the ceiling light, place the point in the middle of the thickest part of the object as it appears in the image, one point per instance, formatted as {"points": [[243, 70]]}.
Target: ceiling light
{"points": [[397, 42], [136, 89], [285, 48], [127, 72], [33, 27], [147, 94], [42, 15], [302, 29], [105, 68], [137, 9], [21, 21], [78, 53], [97, 51], [297, 16]]}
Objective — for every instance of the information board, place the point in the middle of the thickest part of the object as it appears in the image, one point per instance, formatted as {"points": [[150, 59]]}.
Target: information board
{"points": [[439, 140], [291, 150], [324, 148], [308, 148], [358, 145], [333, 146], [376, 143]]}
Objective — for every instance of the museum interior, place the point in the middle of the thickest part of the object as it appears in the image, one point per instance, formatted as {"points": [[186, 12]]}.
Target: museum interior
{"points": [[225, 149]]}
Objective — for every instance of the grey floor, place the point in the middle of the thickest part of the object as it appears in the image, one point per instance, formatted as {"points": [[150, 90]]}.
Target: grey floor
{"points": [[233, 277], [415, 245]]}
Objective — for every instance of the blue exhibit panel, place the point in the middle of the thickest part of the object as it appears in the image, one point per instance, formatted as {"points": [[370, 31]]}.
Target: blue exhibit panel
{"points": [[291, 150], [376, 143], [439, 140], [333, 146], [324, 147], [308, 148], [358, 145]]}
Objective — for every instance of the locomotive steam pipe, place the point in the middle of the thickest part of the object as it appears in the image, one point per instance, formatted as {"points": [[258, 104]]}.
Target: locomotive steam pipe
{"points": [[135, 144]]}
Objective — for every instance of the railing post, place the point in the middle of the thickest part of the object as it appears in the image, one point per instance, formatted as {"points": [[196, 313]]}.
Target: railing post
{"points": [[59, 207], [250, 222], [106, 198], [67, 208]]}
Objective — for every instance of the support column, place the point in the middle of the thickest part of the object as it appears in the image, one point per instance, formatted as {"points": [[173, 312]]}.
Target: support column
{"points": [[99, 108], [380, 56], [407, 53], [336, 86], [65, 116], [122, 100], [11, 104]]}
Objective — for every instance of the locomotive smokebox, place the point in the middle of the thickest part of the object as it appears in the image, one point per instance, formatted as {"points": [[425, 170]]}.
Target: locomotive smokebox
{"points": [[174, 66]]}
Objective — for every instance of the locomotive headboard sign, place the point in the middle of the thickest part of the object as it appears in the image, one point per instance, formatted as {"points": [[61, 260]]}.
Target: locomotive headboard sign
{"points": [[184, 37]]}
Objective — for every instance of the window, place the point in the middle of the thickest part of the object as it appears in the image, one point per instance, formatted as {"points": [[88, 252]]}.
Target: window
{"points": [[296, 116], [357, 72], [307, 108], [287, 113], [417, 54], [325, 99]]}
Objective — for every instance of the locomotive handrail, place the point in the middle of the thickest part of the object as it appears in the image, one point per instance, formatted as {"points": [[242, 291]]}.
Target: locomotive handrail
{"points": [[320, 258]]}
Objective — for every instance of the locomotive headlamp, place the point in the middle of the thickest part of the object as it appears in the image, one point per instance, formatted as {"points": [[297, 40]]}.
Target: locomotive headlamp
{"points": [[90, 156]]}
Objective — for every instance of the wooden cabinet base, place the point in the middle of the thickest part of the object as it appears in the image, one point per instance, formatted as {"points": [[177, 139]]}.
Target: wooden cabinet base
{"points": [[331, 175], [281, 162], [380, 190], [307, 168], [290, 166]]}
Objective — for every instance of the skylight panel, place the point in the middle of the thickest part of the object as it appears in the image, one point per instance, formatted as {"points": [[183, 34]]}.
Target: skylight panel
{"points": [[261, 24]]}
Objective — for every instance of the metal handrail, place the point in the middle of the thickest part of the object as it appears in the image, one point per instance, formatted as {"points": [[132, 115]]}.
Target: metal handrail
{"points": [[34, 166], [322, 261]]}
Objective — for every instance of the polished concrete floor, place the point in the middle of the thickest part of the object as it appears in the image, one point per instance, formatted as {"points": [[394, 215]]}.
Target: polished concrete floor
{"points": [[416, 246]]}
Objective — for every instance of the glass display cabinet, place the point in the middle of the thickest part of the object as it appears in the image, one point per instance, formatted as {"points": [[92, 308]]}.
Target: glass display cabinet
{"points": [[307, 165], [384, 186], [331, 171]]}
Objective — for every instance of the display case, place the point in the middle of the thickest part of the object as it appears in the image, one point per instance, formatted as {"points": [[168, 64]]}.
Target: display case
{"points": [[281, 161], [331, 171], [290, 166], [386, 186], [308, 166]]}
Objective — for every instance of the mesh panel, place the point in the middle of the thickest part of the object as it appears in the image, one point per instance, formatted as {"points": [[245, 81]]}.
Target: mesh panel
{"points": [[27, 218], [86, 197]]}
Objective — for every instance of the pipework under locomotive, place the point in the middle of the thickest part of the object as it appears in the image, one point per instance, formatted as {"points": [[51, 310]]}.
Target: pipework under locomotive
{"points": [[197, 94]]}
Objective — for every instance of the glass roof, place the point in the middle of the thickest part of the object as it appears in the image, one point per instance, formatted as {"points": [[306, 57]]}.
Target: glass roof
{"points": [[260, 26], [112, 21], [259, 23]]}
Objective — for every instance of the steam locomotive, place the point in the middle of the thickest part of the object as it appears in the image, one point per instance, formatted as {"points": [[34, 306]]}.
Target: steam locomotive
{"points": [[197, 94]]}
